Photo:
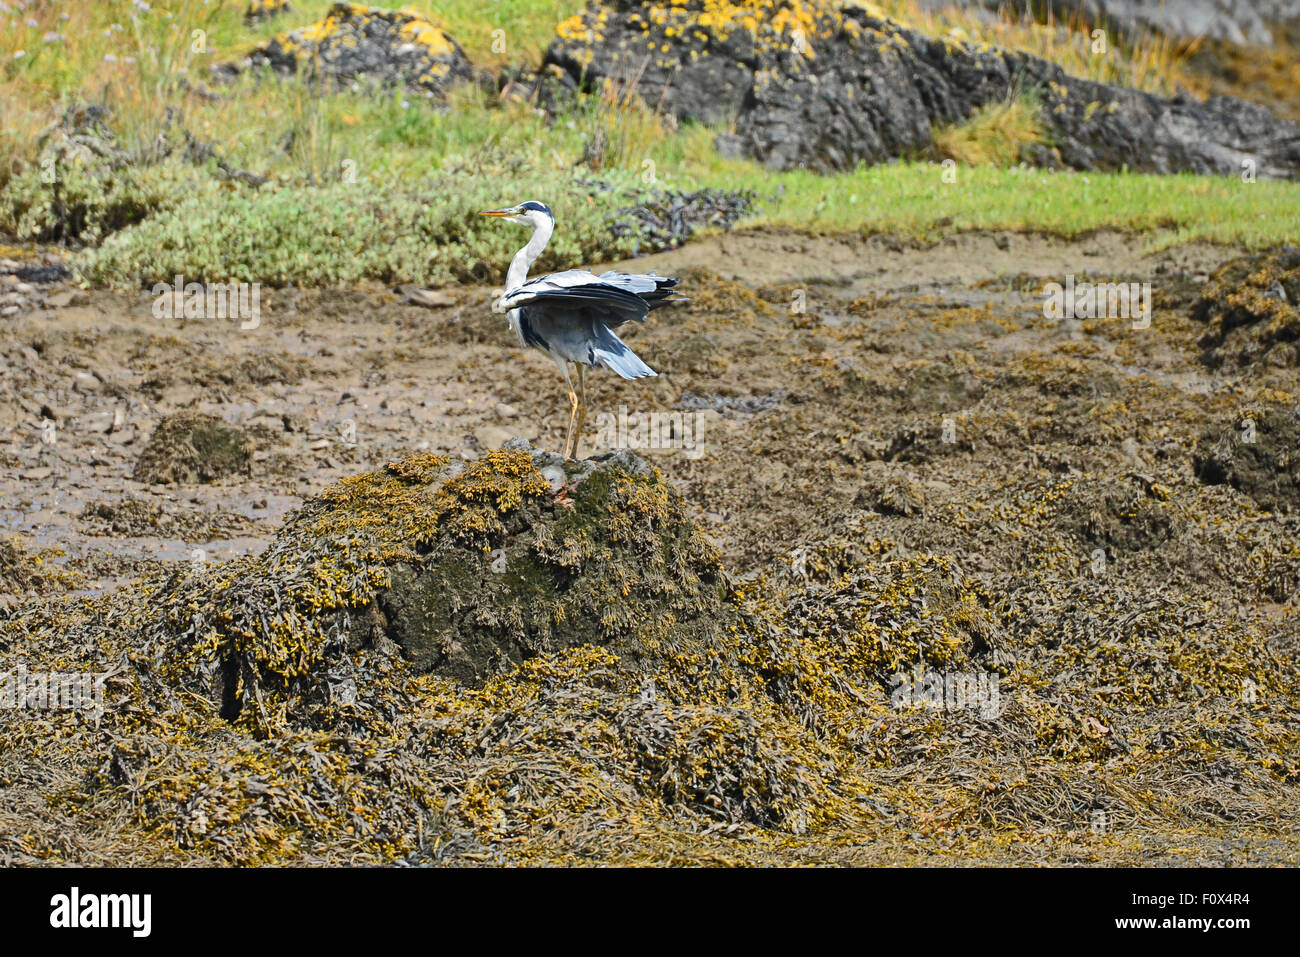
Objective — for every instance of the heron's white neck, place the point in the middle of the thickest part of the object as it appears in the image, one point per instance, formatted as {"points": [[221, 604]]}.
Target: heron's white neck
{"points": [[528, 255]]}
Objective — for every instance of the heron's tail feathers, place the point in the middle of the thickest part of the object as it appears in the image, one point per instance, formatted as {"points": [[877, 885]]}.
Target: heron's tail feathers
{"points": [[612, 352]]}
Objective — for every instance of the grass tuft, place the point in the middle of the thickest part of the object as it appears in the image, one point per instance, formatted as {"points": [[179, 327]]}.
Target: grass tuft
{"points": [[995, 135]]}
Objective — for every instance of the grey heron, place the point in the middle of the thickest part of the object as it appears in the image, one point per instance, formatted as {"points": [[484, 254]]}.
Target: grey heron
{"points": [[571, 315]]}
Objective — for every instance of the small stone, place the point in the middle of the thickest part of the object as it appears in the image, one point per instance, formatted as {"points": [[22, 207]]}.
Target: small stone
{"points": [[85, 382], [506, 411], [100, 422], [68, 297], [343, 693], [428, 298], [294, 422]]}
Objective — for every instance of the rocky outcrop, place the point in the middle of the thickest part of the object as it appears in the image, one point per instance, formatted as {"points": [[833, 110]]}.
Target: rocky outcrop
{"points": [[815, 85], [1244, 22], [356, 45]]}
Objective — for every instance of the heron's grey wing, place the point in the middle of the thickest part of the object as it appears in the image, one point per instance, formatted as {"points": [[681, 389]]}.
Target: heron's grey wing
{"points": [[578, 288], [653, 288]]}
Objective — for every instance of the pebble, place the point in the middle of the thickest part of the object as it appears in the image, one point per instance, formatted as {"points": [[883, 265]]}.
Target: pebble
{"points": [[428, 298], [85, 382], [68, 297]]}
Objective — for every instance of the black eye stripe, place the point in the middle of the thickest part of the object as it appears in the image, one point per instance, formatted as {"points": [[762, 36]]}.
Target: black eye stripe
{"points": [[539, 207]]}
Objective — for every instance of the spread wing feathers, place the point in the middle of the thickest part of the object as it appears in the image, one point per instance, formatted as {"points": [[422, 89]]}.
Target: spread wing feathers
{"points": [[654, 289], [620, 296], [610, 351]]}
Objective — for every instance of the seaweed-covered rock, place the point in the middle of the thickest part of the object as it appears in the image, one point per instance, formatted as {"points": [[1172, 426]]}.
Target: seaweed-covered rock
{"points": [[816, 84], [19, 571], [1252, 306], [191, 447], [25, 572], [1257, 455], [463, 571], [355, 43], [1121, 515], [535, 554]]}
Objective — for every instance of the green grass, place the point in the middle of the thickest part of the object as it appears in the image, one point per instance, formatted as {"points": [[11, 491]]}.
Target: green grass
{"points": [[995, 135], [912, 198]]}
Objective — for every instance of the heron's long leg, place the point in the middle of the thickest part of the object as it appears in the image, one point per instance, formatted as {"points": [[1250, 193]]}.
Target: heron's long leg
{"points": [[573, 408], [582, 407]]}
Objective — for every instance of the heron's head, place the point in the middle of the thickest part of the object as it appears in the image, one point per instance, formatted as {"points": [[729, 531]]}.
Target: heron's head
{"points": [[531, 213]]}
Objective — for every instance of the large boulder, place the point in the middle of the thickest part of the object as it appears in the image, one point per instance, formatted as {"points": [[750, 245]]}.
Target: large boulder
{"points": [[356, 45], [814, 84]]}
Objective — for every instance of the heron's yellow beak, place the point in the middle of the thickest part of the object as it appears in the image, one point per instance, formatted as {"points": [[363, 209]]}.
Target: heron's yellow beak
{"points": [[496, 212]]}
